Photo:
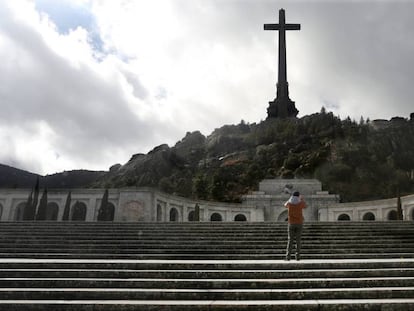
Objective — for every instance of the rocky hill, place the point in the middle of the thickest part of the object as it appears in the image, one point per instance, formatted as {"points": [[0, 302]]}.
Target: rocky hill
{"points": [[358, 160]]}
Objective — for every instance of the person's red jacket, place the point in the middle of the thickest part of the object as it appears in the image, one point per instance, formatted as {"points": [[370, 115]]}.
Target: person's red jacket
{"points": [[295, 205]]}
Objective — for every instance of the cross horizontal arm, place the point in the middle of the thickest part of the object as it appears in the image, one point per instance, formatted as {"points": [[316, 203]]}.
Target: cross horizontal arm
{"points": [[271, 27], [285, 27], [292, 26]]}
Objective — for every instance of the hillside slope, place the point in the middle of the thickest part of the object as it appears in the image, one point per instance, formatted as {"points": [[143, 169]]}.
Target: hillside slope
{"points": [[11, 177], [359, 161]]}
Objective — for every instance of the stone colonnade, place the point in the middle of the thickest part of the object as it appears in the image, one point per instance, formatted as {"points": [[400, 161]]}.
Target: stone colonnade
{"points": [[377, 210], [127, 205], [150, 205]]}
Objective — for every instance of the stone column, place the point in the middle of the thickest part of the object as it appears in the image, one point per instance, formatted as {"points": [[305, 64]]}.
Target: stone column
{"points": [[7, 210], [90, 209]]}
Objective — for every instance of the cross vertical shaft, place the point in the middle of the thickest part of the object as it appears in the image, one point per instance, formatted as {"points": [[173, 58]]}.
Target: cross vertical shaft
{"points": [[282, 78], [282, 106]]}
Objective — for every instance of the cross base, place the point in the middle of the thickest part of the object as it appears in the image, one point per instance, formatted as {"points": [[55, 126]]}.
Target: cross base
{"points": [[282, 108]]}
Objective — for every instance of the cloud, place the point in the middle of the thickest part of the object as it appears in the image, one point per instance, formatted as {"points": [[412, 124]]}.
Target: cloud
{"points": [[97, 81], [64, 101]]}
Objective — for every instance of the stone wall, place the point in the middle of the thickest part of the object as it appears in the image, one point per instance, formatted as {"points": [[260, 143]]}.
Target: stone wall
{"points": [[227, 211], [379, 210], [150, 205], [131, 205]]}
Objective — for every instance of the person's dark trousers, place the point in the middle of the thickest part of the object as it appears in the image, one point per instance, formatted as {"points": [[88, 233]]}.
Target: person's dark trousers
{"points": [[294, 235]]}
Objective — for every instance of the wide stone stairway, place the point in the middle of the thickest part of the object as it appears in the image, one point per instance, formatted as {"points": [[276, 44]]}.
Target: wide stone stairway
{"points": [[205, 266]]}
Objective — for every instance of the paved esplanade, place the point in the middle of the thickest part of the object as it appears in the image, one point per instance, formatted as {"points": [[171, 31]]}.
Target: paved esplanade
{"points": [[282, 106]]}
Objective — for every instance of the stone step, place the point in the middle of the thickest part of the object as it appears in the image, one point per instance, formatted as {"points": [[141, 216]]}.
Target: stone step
{"points": [[241, 242], [208, 245], [136, 237], [235, 243], [217, 237], [225, 227], [178, 224], [397, 304], [249, 283], [224, 230], [206, 248], [185, 252], [210, 256], [197, 224], [205, 235], [203, 294], [210, 265], [209, 274]]}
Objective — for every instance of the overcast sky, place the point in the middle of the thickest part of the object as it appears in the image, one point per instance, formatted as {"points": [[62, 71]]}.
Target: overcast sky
{"points": [[85, 84]]}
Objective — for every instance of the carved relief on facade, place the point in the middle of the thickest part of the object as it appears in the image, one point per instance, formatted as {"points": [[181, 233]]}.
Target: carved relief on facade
{"points": [[133, 211]]}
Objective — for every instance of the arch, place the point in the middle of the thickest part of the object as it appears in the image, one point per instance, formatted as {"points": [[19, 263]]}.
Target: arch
{"points": [[107, 212], [159, 212], [344, 217], [283, 216], [19, 211], [52, 211], [78, 211], [368, 216], [173, 214], [412, 214], [191, 216], [240, 217], [392, 215], [216, 217]]}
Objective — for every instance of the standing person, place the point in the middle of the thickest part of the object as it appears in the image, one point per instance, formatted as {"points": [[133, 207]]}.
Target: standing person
{"points": [[295, 205]]}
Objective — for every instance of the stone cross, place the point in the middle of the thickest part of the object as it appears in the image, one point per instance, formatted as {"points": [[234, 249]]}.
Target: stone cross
{"points": [[282, 106]]}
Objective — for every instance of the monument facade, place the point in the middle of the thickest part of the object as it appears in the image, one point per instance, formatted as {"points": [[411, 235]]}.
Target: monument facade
{"points": [[273, 193]]}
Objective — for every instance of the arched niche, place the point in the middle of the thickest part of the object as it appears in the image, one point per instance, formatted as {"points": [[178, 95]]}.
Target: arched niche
{"points": [[216, 217], [368, 216], [52, 211], [19, 211], [173, 214], [240, 217], [78, 211], [191, 216], [344, 217], [107, 212], [392, 215]]}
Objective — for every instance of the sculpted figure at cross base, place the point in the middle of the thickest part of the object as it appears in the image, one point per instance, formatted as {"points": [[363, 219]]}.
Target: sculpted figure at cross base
{"points": [[282, 106]]}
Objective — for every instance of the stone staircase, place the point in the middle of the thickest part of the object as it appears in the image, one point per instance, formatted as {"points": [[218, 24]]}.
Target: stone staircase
{"points": [[205, 266]]}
